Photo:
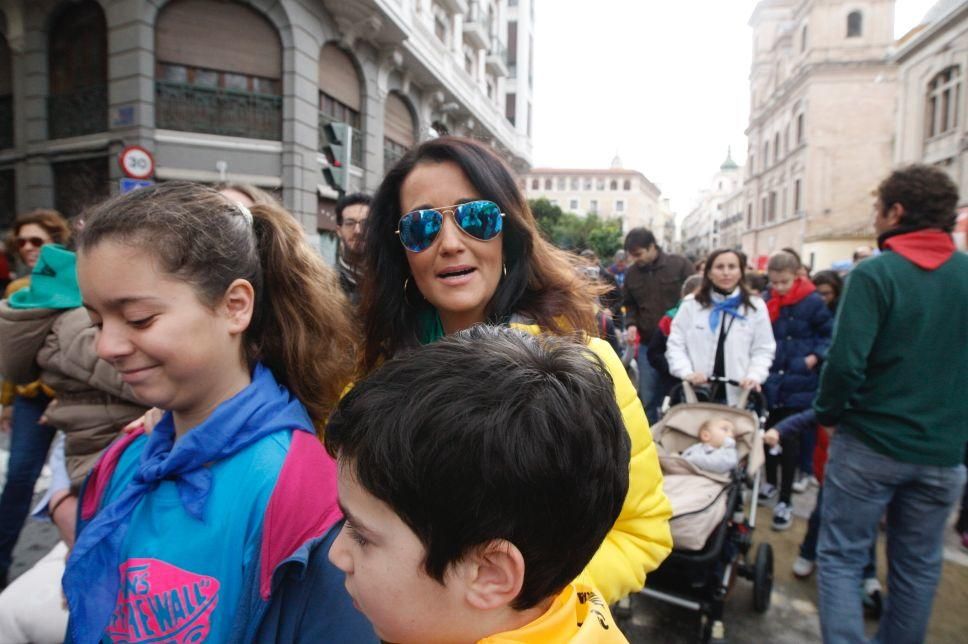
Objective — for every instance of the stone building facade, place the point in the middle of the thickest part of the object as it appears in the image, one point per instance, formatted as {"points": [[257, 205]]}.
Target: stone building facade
{"points": [[711, 224], [615, 193], [240, 91], [931, 118], [821, 130]]}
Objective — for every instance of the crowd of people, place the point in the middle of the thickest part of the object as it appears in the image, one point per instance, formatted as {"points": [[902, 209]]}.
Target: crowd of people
{"points": [[446, 437]]}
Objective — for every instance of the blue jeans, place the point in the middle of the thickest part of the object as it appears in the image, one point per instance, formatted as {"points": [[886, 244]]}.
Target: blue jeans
{"points": [[808, 549], [859, 486], [29, 443]]}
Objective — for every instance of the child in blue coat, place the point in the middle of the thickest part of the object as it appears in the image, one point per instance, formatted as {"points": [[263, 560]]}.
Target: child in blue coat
{"points": [[802, 326]]}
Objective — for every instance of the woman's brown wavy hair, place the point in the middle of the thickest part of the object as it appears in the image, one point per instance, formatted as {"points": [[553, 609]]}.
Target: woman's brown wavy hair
{"points": [[300, 327], [50, 220], [542, 282]]}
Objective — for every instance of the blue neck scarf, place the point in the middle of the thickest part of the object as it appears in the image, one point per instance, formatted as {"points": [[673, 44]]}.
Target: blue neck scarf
{"points": [[91, 579], [727, 305]]}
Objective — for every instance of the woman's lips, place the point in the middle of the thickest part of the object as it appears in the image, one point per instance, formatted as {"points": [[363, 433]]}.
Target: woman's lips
{"points": [[456, 275]]}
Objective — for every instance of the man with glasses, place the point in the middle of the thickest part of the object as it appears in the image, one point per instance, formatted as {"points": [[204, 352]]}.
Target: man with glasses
{"points": [[351, 213]]}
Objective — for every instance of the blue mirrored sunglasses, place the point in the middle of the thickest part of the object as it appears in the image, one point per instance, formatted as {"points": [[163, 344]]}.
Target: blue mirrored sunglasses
{"points": [[482, 220]]}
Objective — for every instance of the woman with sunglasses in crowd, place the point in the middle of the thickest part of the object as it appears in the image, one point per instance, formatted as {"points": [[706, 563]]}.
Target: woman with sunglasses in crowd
{"points": [[23, 406], [452, 243]]}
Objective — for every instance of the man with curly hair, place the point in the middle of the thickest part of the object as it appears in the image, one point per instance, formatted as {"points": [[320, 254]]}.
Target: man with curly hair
{"points": [[892, 385]]}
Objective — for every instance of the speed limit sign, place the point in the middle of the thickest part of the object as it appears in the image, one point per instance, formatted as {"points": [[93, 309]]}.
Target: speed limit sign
{"points": [[136, 162]]}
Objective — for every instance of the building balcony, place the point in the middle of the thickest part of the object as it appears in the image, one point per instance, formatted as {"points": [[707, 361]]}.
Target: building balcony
{"points": [[356, 149], [455, 6], [497, 58], [475, 27], [212, 110], [6, 122], [84, 111]]}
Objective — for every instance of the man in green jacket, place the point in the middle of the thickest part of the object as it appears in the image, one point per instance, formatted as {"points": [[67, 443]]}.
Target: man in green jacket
{"points": [[893, 386]]}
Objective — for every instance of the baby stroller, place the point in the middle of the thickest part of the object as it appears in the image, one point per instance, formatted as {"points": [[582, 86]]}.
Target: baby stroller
{"points": [[712, 533]]}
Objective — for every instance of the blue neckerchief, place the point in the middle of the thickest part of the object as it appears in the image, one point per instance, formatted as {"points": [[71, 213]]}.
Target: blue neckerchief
{"points": [[729, 305], [91, 579]]}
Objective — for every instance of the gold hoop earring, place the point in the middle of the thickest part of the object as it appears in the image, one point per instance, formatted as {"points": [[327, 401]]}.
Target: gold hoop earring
{"points": [[505, 270], [406, 283]]}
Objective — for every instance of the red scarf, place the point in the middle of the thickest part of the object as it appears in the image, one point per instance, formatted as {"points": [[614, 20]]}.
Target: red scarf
{"points": [[801, 288], [927, 249]]}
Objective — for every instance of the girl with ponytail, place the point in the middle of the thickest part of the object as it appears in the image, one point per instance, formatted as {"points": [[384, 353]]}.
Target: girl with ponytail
{"points": [[215, 527]]}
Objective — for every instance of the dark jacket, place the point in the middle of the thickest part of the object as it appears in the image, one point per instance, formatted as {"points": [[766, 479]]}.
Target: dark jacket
{"points": [[894, 375], [348, 279], [802, 329], [652, 290]]}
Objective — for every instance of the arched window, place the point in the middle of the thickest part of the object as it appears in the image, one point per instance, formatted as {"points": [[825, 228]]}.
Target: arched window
{"points": [[943, 102], [6, 97], [340, 99], [855, 24], [613, 185], [398, 130], [218, 69], [77, 101]]}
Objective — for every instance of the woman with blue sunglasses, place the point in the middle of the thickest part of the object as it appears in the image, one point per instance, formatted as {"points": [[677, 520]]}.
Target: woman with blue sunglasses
{"points": [[451, 243]]}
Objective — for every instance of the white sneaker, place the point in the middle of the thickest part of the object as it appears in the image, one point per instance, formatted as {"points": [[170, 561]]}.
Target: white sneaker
{"points": [[801, 485], [767, 491], [803, 568], [782, 516]]}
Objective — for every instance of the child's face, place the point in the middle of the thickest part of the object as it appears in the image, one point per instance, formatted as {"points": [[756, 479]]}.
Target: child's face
{"points": [[383, 561], [782, 281], [716, 432], [174, 352]]}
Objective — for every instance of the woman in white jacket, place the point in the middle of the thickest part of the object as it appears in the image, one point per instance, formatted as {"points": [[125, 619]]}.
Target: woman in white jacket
{"points": [[722, 330]]}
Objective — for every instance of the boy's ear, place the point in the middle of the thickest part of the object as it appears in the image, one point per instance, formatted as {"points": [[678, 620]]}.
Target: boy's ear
{"points": [[493, 575], [239, 303]]}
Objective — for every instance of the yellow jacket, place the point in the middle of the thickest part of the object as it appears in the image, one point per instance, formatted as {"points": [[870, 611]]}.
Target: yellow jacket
{"points": [[577, 616], [640, 539]]}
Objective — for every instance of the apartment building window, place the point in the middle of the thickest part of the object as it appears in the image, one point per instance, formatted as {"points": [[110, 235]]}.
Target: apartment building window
{"points": [[803, 39], [399, 131], [855, 24], [796, 196], [619, 205], [593, 206], [587, 183], [800, 132], [786, 138], [535, 184], [210, 80], [600, 184], [440, 28], [513, 48], [763, 210], [573, 205], [944, 102], [627, 184], [613, 185], [575, 183], [78, 71], [751, 164], [766, 154], [749, 215], [783, 204], [560, 183], [776, 148], [547, 184], [510, 107]]}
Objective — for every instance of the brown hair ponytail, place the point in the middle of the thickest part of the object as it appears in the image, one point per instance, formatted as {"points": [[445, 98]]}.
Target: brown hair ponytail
{"points": [[302, 329]]}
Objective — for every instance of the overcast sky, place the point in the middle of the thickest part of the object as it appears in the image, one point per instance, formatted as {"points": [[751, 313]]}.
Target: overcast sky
{"points": [[663, 83]]}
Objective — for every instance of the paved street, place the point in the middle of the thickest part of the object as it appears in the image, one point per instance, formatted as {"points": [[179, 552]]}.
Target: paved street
{"points": [[792, 618]]}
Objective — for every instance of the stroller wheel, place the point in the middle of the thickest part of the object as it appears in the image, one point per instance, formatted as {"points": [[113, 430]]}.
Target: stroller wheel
{"points": [[763, 578]]}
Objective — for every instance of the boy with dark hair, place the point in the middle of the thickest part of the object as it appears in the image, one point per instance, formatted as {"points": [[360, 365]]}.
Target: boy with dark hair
{"points": [[478, 476]]}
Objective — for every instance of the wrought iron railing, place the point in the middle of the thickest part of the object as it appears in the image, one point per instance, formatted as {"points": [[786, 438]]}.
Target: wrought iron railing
{"points": [[83, 111], [211, 110], [6, 122], [356, 151]]}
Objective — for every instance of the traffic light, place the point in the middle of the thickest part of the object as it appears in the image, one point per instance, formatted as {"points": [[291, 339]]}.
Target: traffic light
{"points": [[339, 138]]}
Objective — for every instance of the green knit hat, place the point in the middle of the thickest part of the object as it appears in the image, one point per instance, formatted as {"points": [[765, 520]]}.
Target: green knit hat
{"points": [[53, 282]]}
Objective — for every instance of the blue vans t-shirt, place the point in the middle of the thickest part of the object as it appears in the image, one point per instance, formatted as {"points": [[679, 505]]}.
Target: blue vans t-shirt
{"points": [[181, 578]]}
